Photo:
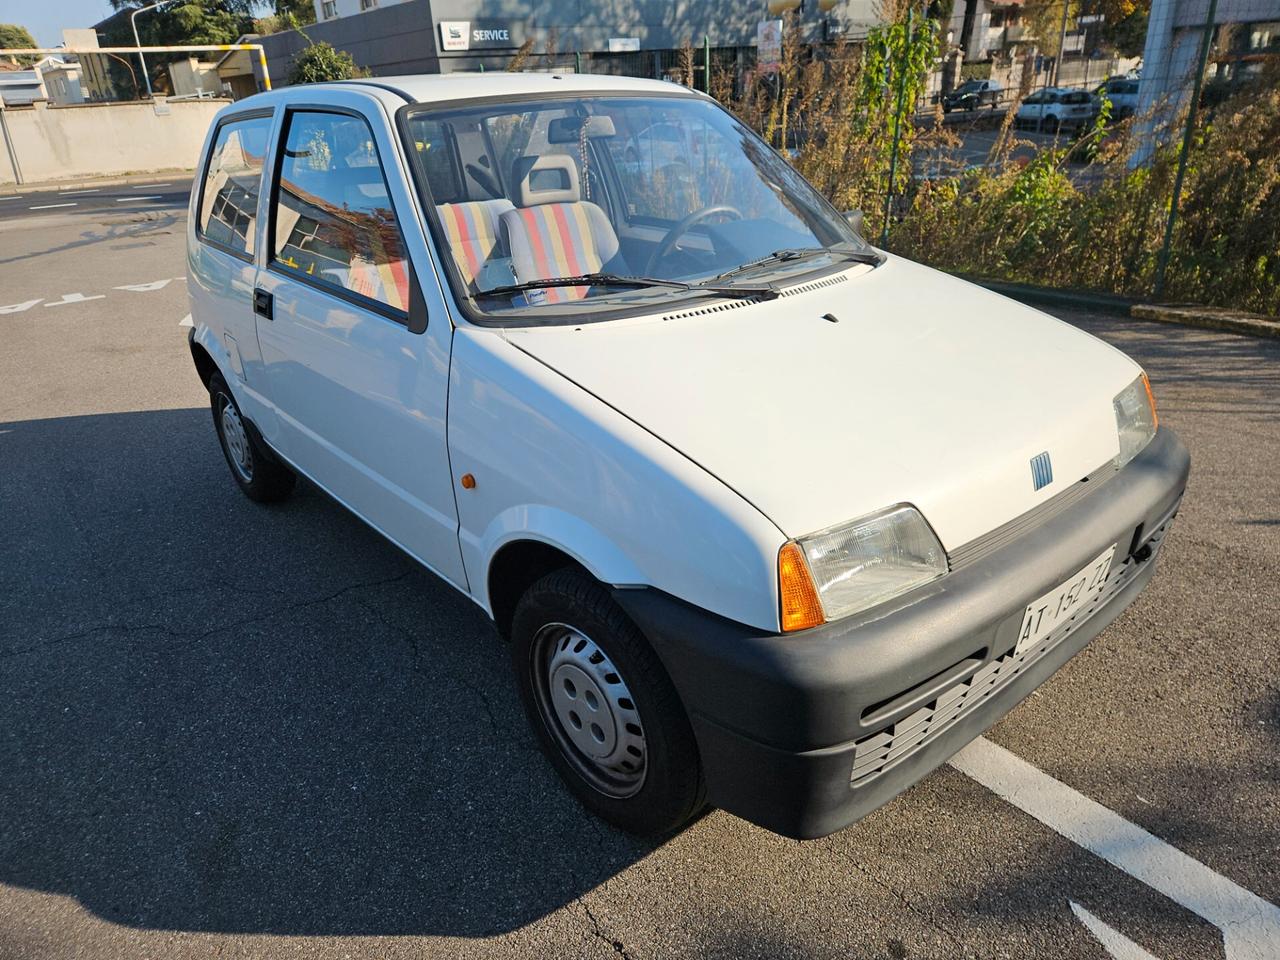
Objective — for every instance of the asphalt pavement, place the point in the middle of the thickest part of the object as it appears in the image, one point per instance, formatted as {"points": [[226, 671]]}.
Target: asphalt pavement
{"points": [[243, 731]]}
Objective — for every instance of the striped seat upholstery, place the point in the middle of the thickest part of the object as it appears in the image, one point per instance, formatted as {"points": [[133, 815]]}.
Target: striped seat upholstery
{"points": [[554, 233], [472, 230]]}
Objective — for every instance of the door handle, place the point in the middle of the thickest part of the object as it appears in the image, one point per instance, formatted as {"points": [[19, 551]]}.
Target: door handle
{"points": [[263, 303]]}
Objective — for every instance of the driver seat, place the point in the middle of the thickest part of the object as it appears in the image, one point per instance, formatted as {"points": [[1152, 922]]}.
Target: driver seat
{"points": [[554, 232]]}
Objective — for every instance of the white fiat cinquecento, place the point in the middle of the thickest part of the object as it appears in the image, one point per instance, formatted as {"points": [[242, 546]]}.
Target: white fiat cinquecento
{"points": [[771, 520]]}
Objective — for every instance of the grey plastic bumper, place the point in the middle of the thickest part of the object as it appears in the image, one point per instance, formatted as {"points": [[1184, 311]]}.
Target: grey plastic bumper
{"points": [[808, 732]]}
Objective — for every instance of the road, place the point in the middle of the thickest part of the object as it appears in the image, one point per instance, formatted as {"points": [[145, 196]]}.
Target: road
{"points": [[261, 732]]}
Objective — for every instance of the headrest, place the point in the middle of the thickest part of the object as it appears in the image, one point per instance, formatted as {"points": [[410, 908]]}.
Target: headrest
{"points": [[547, 179]]}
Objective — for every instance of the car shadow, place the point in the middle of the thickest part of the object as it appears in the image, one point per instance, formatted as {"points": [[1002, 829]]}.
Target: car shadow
{"points": [[218, 716]]}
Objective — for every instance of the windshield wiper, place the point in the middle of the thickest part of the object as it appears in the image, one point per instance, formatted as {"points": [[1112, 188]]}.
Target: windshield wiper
{"points": [[618, 280], [800, 253]]}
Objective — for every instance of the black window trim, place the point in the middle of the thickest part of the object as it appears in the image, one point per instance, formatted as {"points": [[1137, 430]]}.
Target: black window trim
{"points": [[415, 318], [257, 114]]}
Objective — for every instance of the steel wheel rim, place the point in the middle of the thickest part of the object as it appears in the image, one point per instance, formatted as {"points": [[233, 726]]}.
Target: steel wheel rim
{"points": [[236, 440], [589, 711]]}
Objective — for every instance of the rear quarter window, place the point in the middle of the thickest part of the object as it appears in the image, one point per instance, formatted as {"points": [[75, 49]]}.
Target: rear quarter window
{"points": [[232, 183]]}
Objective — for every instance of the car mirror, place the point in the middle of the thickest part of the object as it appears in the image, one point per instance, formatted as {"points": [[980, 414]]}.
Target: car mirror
{"points": [[569, 129], [854, 218]]}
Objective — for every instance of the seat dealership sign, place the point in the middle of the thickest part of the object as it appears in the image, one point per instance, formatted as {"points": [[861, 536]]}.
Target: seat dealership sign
{"points": [[480, 34]]}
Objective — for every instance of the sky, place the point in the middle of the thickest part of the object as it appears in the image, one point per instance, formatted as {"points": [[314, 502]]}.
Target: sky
{"points": [[46, 19]]}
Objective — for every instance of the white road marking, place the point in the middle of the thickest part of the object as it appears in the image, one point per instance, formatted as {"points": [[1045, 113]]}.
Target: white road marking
{"points": [[1250, 925], [74, 298], [20, 307], [186, 321], [1112, 940], [131, 199], [72, 193], [12, 198], [152, 186], [144, 287], [50, 206]]}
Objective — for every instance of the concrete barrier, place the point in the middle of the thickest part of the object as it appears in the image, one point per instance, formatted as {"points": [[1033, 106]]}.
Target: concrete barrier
{"points": [[101, 139]]}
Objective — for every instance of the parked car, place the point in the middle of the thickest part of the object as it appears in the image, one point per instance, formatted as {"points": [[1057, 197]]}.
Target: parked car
{"points": [[1123, 94], [1055, 108], [971, 95], [769, 519]]}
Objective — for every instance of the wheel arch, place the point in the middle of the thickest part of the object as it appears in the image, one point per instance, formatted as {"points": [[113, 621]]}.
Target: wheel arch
{"points": [[206, 366]]}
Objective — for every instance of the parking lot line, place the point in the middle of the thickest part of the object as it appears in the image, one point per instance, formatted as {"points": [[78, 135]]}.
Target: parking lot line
{"points": [[50, 206], [1250, 925]]}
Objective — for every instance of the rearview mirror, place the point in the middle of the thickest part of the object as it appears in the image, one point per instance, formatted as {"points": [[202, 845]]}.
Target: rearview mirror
{"points": [[854, 219], [569, 129]]}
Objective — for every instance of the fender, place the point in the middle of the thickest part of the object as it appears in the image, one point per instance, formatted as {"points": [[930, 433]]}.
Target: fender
{"points": [[590, 547]]}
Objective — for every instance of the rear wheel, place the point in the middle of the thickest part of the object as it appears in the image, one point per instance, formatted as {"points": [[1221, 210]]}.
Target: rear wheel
{"points": [[256, 470], [603, 708], [1050, 124]]}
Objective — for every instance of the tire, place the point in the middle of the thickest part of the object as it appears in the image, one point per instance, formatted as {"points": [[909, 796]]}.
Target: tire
{"points": [[603, 708], [1051, 124], [947, 108], [256, 470]]}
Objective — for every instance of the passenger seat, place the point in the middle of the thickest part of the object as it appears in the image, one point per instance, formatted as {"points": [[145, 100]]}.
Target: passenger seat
{"points": [[472, 231]]}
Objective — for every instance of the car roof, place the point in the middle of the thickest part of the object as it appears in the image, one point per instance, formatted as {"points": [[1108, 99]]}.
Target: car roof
{"points": [[430, 88]]}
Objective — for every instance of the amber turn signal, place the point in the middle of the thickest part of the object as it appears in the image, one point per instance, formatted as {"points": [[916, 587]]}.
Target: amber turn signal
{"points": [[1151, 397], [798, 597], [468, 482]]}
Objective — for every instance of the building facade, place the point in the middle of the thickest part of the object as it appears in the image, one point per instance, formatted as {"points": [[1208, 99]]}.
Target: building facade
{"points": [[440, 36]]}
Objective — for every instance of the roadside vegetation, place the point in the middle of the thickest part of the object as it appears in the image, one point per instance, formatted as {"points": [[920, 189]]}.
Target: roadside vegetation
{"points": [[1080, 216]]}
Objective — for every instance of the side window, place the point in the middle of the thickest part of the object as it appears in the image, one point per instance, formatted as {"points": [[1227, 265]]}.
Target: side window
{"points": [[332, 213], [232, 182]]}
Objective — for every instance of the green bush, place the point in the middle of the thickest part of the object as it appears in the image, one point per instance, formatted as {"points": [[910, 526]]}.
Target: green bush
{"points": [[320, 62]]}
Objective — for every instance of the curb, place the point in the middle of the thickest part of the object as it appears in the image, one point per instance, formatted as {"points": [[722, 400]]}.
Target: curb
{"points": [[1204, 318], [59, 186], [1210, 318]]}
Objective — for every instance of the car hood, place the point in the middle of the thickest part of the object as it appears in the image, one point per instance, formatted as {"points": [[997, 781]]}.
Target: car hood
{"points": [[860, 390]]}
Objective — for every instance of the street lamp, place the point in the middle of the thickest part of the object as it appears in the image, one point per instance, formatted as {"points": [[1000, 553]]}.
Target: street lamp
{"points": [[133, 22]]}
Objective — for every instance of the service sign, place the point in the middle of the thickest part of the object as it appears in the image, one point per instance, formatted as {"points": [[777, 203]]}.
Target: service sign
{"points": [[480, 34]]}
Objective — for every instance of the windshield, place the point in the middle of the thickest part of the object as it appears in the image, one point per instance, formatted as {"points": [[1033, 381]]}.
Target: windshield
{"points": [[646, 198]]}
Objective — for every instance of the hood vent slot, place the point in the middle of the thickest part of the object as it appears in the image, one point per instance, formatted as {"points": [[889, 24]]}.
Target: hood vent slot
{"points": [[748, 301], [814, 285]]}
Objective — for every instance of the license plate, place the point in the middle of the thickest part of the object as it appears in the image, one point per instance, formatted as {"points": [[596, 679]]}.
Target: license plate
{"points": [[1057, 606]]}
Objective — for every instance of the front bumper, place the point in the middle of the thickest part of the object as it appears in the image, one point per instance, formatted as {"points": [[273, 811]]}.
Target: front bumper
{"points": [[806, 733]]}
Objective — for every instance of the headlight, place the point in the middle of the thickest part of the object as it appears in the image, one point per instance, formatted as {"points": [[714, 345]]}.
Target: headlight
{"points": [[1135, 418], [847, 568]]}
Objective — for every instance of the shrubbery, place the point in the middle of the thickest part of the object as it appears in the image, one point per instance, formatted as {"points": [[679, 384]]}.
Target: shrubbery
{"points": [[1099, 227]]}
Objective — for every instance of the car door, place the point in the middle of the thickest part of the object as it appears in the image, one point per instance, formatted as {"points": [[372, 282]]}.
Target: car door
{"points": [[221, 265], [356, 349]]}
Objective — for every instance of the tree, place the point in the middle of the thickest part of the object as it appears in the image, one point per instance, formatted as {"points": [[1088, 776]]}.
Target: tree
{"points": [[321, 62], [298, 12], [181, 23], [14, 36]]}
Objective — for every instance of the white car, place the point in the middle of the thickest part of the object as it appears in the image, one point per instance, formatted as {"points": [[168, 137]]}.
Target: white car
{"points": [[1123, 94], [770, 519], [1055, 108]]}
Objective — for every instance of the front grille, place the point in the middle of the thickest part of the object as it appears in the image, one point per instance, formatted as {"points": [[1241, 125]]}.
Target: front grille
{"points": [[882, 751]]}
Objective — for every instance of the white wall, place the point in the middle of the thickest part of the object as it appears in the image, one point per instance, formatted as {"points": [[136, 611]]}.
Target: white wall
{"points": [[103, 139], [347, 8]]}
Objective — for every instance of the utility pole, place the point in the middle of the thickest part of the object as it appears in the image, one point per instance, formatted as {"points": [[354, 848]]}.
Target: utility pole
{"points": [[1206, 42], [133, 22], [1062, 41]]}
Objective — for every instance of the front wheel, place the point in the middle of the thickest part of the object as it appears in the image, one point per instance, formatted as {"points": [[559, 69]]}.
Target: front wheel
{"points": [[603, 708]]}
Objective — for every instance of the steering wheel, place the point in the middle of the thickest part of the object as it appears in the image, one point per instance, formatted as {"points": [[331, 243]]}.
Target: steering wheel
{"points": [[680, 229]]}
